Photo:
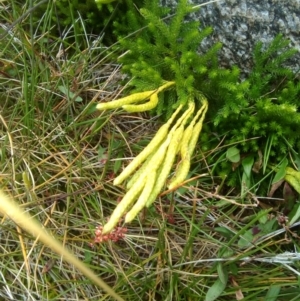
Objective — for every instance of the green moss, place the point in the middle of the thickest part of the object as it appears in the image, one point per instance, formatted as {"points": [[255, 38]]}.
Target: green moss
{"points": [[265, 104]]}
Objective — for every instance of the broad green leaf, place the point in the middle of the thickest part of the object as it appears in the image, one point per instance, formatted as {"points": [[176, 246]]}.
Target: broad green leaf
{"points": [[233, 155], [215, 290], [273, 293], [280, 174], [293, 178]]}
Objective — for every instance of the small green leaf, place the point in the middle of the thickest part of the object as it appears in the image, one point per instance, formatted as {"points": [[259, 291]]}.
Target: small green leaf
{"points": [[88, 257], [215, 290], [269, 226], [69, 94], [233, 269], [295, 214], [246, 177], [233, 155], [225, 252], [91, 109], [117, 166], [297, 160], [246, 185], [247, 165], [78, 99], [264, 218], [102, 153], [246, 239], [273, 293], [63, 89], [280, 174], [224, 231], [223, 273]]}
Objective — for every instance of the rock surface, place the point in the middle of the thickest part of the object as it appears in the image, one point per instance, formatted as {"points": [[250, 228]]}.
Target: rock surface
{"points": [[240, 24]]}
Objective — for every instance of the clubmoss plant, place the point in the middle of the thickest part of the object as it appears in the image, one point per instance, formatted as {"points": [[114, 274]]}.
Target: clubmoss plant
{"points": [[164, 59]]}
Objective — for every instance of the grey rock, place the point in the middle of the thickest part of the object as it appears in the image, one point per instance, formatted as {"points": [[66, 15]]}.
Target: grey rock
{"points": [[240, 24]]}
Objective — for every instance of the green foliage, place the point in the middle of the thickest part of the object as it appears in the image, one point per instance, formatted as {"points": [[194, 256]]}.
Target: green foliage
{"points": [[165, 50], [63, 13], [259, 115], [67, 10], [264, 105]]}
